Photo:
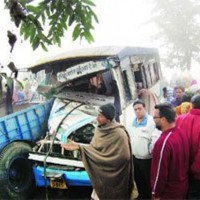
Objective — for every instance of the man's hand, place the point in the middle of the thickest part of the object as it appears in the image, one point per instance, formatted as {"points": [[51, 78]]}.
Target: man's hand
{"points": [[70, 146]]}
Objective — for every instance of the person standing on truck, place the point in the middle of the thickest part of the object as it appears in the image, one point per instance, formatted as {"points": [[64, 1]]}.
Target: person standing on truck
{"points": [[107, 159], [170, 157], [190, 124], [143, 134]]}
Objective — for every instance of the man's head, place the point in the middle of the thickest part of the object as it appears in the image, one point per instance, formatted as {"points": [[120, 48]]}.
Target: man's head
{"points": [[139, 109], [179, 91], [164, 116], [196, 101], [106, 114]]}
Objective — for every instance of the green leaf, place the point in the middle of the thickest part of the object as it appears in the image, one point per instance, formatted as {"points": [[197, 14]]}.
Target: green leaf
{"points": [[58, 41], [71, 19], [33, 9], [43, 46], [43, 18], [26, 32], [35, 43], [94, 15], [76, 32], [22, 28], [38, 24], [63, 22], [52, 6], [51, 30], [32, 33], [88, 36], [48, 11], [88, 2]]}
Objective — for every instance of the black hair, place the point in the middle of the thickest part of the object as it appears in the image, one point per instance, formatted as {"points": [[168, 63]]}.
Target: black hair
{"points": [[139, 101], [196, 101], [179, 87], [164, 89], [166, 110]]}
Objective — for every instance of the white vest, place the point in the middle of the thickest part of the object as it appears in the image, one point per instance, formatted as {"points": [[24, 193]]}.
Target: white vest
{"points": [[143, 138]]}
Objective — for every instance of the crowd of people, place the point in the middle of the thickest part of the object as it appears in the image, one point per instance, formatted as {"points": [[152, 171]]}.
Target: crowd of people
{"points": [[160, 153]]}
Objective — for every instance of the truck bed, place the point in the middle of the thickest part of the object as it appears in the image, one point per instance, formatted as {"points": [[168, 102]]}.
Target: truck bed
{"points": [[29, 124]]}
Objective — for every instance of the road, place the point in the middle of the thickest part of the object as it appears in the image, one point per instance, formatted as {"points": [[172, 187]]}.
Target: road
{"points": [[70, 193]]}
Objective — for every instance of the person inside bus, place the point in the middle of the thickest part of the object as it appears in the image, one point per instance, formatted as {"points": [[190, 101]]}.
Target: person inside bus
{"points": [[104, 84], [97, 85]]}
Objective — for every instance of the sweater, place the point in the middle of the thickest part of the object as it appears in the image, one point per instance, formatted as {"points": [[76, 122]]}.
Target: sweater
{"points": [[170, 165], [190, 123]]}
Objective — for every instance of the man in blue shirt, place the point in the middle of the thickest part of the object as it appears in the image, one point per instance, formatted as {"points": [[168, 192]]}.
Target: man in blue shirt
{"points": [[143, 134]]}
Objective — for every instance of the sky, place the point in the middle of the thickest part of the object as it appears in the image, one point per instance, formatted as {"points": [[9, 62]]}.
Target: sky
{"points": [[121, 22]]}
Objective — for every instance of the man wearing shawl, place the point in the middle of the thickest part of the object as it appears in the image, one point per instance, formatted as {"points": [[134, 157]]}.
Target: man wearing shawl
{"points": [[108, 158]]}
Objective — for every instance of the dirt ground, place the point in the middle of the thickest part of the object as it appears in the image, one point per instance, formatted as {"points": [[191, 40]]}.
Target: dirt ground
{"points": [[71, 193]]}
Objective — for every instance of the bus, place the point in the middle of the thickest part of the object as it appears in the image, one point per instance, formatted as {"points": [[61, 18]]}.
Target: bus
{"points": [[77, 83]]}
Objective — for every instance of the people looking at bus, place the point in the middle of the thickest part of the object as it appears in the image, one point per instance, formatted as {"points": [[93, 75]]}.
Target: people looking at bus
{"points": [[170, 157], [161, 160], [143, 135], [190, 123]]}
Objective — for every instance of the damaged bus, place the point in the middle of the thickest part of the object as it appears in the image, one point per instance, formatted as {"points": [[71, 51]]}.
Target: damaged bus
{"points": [[77, 83]]}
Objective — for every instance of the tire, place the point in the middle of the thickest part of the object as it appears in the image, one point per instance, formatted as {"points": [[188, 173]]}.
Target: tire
{"points": [[16, 174]]}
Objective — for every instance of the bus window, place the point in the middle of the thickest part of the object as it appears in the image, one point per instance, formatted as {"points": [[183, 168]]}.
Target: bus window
{"points": [[144, 77], [129, 84], [155, 66]]}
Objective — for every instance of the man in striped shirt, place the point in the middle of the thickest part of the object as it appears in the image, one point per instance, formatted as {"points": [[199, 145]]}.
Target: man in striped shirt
{"points": [[170, 157]]}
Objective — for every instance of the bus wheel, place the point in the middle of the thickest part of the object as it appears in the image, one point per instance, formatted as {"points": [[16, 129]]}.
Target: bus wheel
{"points": [[16, 174]]}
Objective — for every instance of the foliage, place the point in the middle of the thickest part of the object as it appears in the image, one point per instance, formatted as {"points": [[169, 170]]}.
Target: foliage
{"points": [[45, 23], [179, 29]]}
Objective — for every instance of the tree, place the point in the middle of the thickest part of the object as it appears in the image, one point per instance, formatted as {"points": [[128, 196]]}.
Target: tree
{"points": [[179, 29], [45, 22]]}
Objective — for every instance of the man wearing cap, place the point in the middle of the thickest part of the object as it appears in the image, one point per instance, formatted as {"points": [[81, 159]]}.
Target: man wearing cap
{"points": [[107, 159], [190, 123]]}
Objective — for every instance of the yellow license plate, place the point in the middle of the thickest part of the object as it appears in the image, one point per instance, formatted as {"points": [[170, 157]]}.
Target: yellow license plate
{"points": [[58, 183]]}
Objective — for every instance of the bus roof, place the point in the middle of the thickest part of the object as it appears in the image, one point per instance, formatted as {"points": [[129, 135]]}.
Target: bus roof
{"points": [[86, 54]]}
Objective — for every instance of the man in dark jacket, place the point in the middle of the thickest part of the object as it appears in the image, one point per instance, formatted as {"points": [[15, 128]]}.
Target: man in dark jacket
{"points": [[170, 157], [108, 158], [190, 123]]}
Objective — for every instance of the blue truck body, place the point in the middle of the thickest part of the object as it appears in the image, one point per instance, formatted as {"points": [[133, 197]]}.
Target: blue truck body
{"points": [[28, 125]]}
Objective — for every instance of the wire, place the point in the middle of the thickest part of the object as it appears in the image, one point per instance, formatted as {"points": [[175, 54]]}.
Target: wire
{"points": [[51, 146]]}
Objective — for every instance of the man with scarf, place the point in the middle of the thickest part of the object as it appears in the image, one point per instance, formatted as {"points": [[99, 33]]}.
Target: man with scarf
{"points": [[108, 158]]}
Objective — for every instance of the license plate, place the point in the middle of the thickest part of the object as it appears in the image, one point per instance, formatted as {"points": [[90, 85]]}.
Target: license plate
{"points": [[58, 183]]}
